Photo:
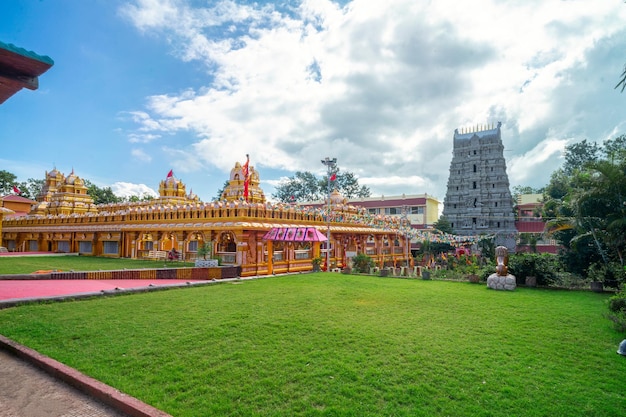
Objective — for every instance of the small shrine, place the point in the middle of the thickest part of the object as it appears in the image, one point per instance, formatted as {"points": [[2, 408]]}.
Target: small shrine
{"points": [[243, 185], [62, 195], [173, 191]]}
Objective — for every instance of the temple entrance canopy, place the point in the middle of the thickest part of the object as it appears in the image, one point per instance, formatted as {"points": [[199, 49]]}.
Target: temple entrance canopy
{"points": [[295, 234]]}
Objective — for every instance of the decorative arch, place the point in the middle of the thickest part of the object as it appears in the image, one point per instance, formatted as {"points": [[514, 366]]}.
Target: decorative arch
{"points": [[227, 242]]}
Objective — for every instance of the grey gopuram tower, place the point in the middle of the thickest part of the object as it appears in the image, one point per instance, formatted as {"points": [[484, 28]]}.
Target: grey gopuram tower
{"points": [[478, 200]]}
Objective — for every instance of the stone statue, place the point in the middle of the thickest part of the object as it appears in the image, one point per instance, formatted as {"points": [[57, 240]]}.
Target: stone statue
{"points": [[501, 280], [502, 260]]}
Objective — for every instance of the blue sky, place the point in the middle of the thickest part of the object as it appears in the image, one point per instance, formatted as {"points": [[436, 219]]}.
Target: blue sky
{"points": [[140, 87]]}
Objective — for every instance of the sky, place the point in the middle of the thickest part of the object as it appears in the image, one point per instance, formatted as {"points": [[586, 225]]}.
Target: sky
{"points": [[140, 87]]}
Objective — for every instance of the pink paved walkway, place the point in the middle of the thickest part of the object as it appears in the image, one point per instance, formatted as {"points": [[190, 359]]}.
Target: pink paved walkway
{"points": [[17, 289]]}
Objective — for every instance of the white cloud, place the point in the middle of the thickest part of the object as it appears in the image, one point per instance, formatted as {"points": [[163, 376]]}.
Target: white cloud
{"points": [[141, 155], [545, 157], [127, 189], [383, 85]]}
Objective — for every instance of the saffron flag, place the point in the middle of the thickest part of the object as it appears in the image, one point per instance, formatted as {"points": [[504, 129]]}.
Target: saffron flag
{"points": [[333, 177], [170, 174], [16, 190], [246, 177]]}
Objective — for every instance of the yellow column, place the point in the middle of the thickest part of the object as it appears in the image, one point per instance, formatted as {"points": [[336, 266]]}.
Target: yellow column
{"points": [[270, 257], [317, 249]]}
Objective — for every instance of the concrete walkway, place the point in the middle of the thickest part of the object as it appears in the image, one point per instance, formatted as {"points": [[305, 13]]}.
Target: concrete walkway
{"points": [[27, 391], [33, 385]]}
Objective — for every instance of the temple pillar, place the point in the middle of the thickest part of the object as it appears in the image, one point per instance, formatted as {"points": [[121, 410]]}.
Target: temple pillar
{"points": [[317, 249], [270, 257]]}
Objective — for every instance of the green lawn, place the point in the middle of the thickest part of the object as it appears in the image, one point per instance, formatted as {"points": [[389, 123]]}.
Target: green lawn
{"points": [[341, 345], [30, 264]]}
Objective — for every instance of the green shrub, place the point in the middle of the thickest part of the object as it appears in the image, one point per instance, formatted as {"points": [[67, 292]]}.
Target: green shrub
{"points": [[611, 274], [570, 280], [362, 263], [544, 266], [617, 302], [617, 311]]}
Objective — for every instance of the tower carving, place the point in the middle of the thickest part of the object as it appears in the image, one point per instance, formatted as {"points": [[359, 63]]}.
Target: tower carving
{"points": [[478, 199]]}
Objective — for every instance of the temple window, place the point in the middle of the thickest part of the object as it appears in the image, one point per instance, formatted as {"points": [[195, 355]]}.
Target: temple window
{"points": [[85, 247], [110, 247]]}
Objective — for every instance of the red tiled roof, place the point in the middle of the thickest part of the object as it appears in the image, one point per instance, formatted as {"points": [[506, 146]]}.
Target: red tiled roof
{"points": [[17, 199]]}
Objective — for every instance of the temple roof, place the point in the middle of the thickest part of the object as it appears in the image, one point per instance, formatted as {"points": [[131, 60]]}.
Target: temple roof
{"points": [[478, 131], [19, 69]]}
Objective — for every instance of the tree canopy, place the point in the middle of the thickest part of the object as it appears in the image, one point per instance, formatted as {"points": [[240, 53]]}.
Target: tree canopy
{"points": [[305, 186], [7, 181], [103, 195], [585, 204]]}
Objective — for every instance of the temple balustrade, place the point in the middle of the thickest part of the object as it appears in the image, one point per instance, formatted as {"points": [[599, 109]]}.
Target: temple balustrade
{"points": [[147, 214]]}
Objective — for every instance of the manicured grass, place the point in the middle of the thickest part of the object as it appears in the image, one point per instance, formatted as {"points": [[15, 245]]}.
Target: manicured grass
{"points": [[30, 264], [341, 345]]}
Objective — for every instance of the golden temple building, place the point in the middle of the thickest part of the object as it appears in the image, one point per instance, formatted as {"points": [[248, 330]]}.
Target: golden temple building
{"points": [[238, 231]]}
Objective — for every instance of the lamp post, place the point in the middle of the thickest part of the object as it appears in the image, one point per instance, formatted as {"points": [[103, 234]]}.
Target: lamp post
{"points": [[330, 164]]}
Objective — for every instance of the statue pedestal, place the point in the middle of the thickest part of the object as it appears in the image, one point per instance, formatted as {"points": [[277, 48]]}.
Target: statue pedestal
{"points": [[501, 282]]}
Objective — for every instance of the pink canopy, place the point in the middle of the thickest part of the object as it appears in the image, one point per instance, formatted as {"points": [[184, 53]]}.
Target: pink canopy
{"points": [[295, 234]]}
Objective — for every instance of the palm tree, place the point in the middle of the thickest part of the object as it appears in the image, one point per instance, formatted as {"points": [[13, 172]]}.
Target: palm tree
{"points": [[598, 208]]}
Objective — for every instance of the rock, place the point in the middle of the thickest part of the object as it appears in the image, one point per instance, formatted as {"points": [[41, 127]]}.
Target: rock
{"points": [[498, 282]]}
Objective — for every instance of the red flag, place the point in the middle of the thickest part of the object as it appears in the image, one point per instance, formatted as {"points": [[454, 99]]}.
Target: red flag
{"points": [[246, 177], [170, 174], [16, 190], [333, 177]]}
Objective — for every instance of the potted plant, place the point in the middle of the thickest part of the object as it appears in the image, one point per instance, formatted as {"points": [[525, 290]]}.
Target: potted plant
{"points": [[205, 252], [472, 273], [596, 273], [317, 263]]}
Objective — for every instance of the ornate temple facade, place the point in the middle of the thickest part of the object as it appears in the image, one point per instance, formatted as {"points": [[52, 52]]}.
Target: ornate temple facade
{"points": [[65, 219], [478, 199]]}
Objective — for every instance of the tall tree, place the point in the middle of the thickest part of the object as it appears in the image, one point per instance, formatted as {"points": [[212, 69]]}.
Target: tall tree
{"points": [[31, 188], [587, 212], [615, 149], [579, 154], [7, 181], [443, 225], [305, 186], [101, 195]]}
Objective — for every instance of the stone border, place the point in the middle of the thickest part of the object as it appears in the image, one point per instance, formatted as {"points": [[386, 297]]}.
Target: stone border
{"points": [[89, 386]]}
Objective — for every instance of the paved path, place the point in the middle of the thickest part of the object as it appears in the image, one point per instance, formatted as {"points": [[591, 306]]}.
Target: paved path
{"points": [[11, 290], [26, 391]]}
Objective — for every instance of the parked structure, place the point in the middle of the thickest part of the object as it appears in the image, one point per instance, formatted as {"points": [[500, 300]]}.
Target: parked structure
{"points": [[478, 200]]}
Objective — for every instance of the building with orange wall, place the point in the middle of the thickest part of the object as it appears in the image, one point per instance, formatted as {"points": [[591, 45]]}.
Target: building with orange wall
{"points": [[65, 219]]}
